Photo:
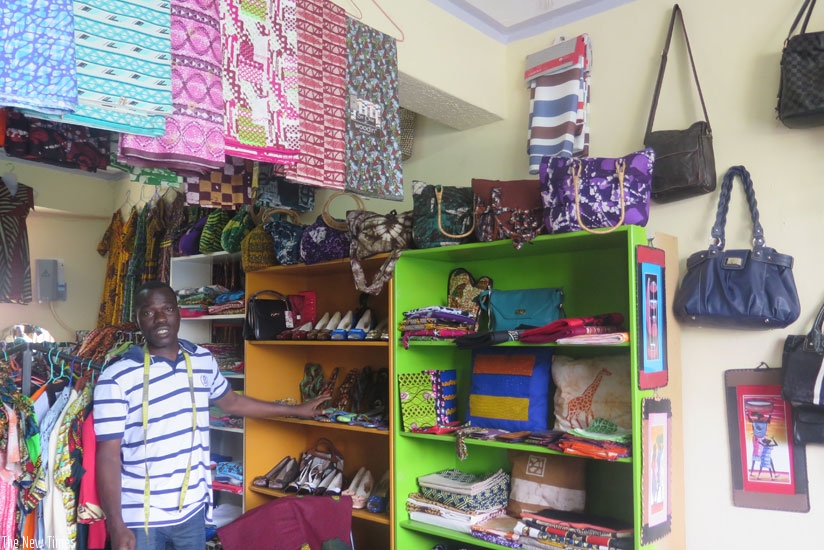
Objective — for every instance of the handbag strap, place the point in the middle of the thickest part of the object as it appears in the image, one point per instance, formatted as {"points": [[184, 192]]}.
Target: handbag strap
{"points": [[676, 10], [718, 238], [807, 6], [438, 199], [815, 340], [273, 292], [620, 169]]}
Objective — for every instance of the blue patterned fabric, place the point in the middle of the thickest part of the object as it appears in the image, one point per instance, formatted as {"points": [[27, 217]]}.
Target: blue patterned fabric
{"points": [[124, 72], [37, 65], [496, 495]]}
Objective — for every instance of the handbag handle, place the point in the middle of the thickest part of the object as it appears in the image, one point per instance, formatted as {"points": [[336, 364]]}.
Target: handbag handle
{"points": [[273, 292], [327, 217], [718, 239], [620, 169], [807, 6], [293, 216], [815, 340], [438, 198], [676, 10]]}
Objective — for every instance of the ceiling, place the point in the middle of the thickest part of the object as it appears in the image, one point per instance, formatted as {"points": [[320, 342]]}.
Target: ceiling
{"points": [[511, 20]]}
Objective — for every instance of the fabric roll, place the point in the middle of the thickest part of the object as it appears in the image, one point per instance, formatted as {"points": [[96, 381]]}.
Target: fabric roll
{"points": [[260, 80], [373, 153], [228, 188], [194, 130], [37, 61], [123, 60], [559, 111], [321, 65]]}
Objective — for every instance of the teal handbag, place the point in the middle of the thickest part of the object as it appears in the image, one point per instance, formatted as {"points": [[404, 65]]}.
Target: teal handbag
{"points": [[524, 308]]}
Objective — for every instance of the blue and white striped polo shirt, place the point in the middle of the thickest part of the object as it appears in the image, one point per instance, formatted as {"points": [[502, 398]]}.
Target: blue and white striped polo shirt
{"points": [[118, 400]]}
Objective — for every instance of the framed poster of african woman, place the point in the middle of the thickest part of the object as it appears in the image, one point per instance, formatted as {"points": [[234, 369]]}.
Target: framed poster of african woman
{"points": [[652, 318], [656, 447], [769, 471]]}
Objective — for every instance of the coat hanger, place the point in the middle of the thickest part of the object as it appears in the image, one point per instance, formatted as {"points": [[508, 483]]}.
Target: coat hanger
{"points": [[383, 11], [127, 200]]}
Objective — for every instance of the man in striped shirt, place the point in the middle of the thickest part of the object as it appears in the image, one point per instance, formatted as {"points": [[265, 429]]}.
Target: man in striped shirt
{"points": [[151, 419]]}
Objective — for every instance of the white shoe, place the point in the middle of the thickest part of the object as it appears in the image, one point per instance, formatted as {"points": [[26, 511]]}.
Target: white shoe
{"points": [[330, 326], [343, 328], [364, 325]]}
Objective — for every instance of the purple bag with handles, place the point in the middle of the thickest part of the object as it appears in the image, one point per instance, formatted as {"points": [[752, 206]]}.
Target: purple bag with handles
{"points": [[596, 194]]}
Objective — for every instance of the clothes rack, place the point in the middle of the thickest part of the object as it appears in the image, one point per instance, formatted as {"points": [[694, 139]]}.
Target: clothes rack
{"points": [[52, 351]]}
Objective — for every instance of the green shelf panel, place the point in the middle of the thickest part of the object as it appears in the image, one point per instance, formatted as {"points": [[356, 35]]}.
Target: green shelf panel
{"points": [[598, 275]]}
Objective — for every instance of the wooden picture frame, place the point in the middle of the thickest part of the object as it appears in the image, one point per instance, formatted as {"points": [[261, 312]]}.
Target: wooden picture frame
{"points": [[656, 448], [652, 318], [769, 470]]}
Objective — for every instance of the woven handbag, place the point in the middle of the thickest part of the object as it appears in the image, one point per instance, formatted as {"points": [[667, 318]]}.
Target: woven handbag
{"points": [[801, 89], [442, 215]]}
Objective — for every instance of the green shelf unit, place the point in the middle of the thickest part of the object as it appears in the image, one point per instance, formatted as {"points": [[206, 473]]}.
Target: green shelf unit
{"points": [[598, 275]]}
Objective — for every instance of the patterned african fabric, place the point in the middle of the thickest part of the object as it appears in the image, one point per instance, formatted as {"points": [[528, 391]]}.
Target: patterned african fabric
{"points": [[373, 126], [321, 63], [155, 229], [65, 469], [8, 499], [173, 223], [37, 66], [274, 191], [117, 242], [228, 188], [559, 111], [124, 76], [15, 267], [194, 131], [147, 175], [137, 259], [260, 81]]}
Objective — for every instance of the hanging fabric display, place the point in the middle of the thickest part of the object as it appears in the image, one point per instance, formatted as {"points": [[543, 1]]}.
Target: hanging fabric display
{"points": [[15, 266], [37, 66], [321, 65], [273, 190], [558, 80], [260, 83], [373, 154], [229, 188], [194, 131], [147, 175], [124, 76]]}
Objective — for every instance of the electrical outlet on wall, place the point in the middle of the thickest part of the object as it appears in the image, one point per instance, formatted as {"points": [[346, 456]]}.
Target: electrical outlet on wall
{"points": [[51, 281]]}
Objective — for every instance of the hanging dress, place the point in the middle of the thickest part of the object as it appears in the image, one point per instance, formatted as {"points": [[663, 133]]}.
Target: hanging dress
{"points": [[15, 267], [117, 242]]}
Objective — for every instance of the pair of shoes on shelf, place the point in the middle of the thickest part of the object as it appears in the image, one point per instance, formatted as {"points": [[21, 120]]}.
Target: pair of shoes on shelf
{"points": [[346, 331], [298, 333], [380, 332], [332, 323], [331, 484], [360, 488], [280, 476], [320, 325], [379, 498]]}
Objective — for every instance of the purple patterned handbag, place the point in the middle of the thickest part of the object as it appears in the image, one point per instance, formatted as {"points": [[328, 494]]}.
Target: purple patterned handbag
{"points": [[328, 238], [596, 194]]}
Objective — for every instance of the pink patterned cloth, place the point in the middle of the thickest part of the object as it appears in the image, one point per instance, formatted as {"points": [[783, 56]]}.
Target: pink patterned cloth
{"points": [[260, 80], [321, 57], [8, 505], [194, 140]]}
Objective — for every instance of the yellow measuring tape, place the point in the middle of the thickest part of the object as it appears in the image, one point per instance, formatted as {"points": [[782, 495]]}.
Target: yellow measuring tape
{"points": [[146, 488]]}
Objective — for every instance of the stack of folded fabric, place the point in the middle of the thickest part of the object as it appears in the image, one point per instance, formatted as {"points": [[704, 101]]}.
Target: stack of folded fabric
{"points": [[456, 500], [229, 357], [604, 449], [585, 329], [499, 530], [550, 528], [436, 323], [232, 302], [194, 302]]}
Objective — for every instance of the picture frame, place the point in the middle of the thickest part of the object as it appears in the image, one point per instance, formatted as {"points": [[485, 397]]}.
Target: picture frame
{"points": [[652, 318], [656, 447], [768, 469]]}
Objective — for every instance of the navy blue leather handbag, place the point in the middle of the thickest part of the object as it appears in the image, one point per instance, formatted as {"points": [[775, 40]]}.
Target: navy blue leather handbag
{"points": [[741, 289]]}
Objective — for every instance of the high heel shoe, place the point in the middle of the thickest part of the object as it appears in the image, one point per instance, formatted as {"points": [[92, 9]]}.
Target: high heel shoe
{"points": [[263, 481], [300, 333], [320, 325], [379, 497], [353, 486], [319, 469], [333, 323], [375, 333], [364, 325], [343, 327], [304, 468], [325, 487], [286, 475], [364, 490]]}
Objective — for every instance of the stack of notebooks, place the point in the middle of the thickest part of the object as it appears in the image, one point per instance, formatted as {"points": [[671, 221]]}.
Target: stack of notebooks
{"points": [[456, 500]]}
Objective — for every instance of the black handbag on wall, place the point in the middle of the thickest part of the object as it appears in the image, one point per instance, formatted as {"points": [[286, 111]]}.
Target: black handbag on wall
{"points": [[801, 89], [808, 424], [801, 360], [684, 159], [266, 318], [744, 289]]}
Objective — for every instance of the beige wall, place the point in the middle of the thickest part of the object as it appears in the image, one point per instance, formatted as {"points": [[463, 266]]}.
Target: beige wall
{"points": [[737, 47]]}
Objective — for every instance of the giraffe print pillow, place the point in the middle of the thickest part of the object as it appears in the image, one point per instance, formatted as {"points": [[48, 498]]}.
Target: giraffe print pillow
{"points": [[591, 387]]}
